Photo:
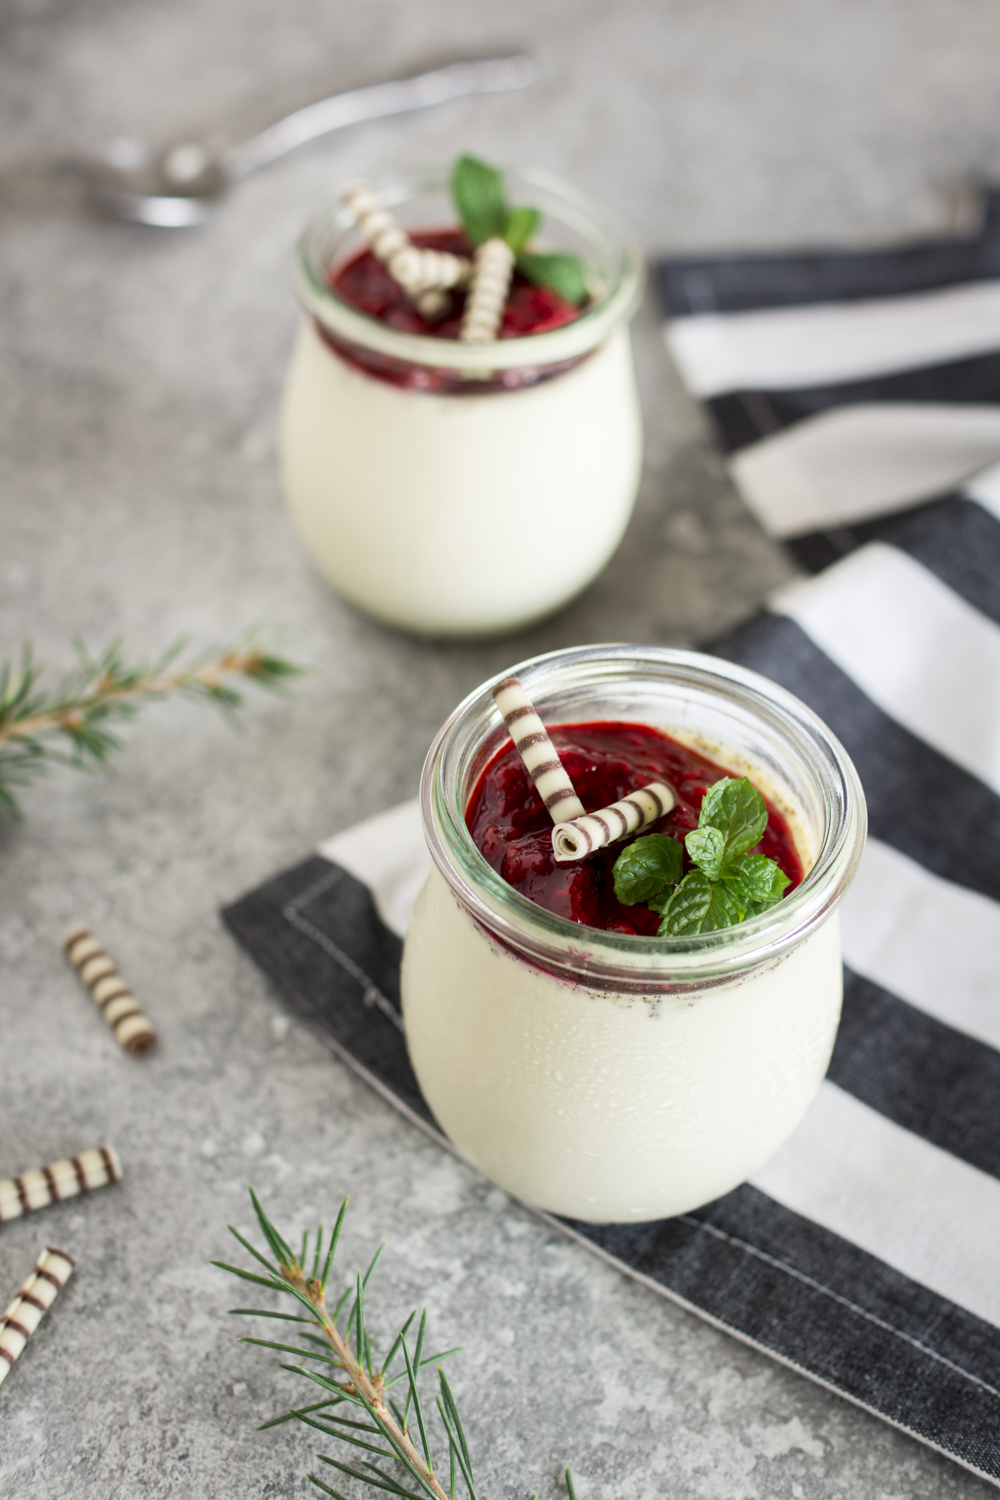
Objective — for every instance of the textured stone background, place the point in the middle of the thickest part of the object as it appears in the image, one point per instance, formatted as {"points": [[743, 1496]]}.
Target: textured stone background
{"points": [[137, 398]]}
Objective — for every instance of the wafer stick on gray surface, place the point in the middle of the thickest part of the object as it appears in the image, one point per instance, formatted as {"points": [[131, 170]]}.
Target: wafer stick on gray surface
{"points": [[53, 1269], [540, 756], [60, 1179], [132, 1027], [492, 269], [582, 837]]}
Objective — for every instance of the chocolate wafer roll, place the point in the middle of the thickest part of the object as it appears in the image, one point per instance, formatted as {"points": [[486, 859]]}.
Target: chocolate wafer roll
{"points": [[53, 1269], [132, 1027], [440, 271], [492, 269], [540, 756], [61, 1179], [424, 275], [581, 837]]}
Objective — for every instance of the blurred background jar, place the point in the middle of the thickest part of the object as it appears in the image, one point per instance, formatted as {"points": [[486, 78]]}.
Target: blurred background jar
{"points": [[458, 489]]}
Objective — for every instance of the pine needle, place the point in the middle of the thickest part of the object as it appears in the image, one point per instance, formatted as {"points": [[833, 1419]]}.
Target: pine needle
{"points": [[74, 723]]}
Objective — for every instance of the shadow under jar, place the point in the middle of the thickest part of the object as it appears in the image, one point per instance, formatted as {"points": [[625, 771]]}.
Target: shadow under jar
{"points": [[611, 1077], [458, 489]]}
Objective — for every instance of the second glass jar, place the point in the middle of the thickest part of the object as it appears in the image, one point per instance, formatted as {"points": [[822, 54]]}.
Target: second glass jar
{"points": [[459, 489]]}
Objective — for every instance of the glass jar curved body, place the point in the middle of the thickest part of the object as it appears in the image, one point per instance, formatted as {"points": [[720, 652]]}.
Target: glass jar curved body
{"points": [[456, 489], [614, 1078]]}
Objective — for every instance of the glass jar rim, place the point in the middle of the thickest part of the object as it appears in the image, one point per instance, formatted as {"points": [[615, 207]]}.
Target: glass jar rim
{"points": [[622, 962], [613, 304]]}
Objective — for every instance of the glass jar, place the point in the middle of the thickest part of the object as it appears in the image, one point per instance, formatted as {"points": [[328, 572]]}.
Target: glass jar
{"points": [[610, 1077], [463, 489]]}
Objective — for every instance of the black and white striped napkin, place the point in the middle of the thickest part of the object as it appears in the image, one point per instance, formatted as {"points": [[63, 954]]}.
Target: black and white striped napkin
{"points": [[844, 387], [866, 1253]]}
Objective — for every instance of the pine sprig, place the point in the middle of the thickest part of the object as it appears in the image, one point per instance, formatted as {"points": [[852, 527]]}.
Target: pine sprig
{"points": [[377, 1426], [72, 723]]}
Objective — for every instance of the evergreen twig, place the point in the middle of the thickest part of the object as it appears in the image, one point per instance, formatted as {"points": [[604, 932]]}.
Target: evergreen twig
{"points": [[347, 1345], [71, 724]]}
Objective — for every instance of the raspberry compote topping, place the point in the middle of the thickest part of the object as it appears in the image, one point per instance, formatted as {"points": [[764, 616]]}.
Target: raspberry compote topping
{"points": [[365, 284], [605, 761]]}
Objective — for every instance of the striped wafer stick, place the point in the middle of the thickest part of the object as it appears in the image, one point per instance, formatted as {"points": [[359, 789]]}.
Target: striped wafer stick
{"points": [[540, 756], [132, 1027], [61, 1179], [424, 275], [491, 272], [53, 1269], [582, 837]]}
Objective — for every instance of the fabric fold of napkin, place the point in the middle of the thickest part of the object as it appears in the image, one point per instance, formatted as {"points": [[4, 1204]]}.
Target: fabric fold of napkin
{"points": [[865, 1252]]}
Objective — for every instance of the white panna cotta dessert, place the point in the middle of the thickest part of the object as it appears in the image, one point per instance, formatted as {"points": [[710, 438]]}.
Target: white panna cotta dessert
{"points": [[611, 1075], [412, 460]]}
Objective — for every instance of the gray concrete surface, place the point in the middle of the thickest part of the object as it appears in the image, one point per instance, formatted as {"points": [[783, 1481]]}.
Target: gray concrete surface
{"points": [[138, 388]]}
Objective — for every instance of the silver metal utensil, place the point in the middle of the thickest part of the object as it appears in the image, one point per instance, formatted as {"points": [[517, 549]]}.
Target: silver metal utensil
{"points": [[183, 184]]}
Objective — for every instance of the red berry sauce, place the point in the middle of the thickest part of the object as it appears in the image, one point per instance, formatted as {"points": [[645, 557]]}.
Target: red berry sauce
{"points": [[364, 283], [605, 761]]}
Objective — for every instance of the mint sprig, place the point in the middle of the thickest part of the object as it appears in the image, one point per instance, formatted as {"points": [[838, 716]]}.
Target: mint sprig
{"points": [[481, 200], [727, 885]]}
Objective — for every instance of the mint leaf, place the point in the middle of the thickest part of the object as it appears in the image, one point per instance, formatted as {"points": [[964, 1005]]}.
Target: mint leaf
{"points": [[563, 273], [707, 847], [660, 902], [756, 882], [646, 867], [699, 905], [480, 198], [521, 225], [736, 808]]}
